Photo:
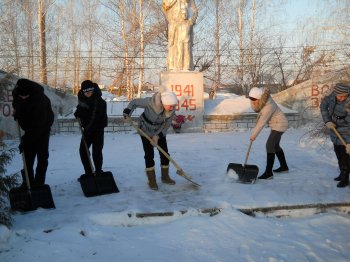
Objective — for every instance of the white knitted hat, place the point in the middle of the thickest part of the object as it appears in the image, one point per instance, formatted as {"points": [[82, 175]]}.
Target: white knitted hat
{"points": [[255, 92], [168, 98]]}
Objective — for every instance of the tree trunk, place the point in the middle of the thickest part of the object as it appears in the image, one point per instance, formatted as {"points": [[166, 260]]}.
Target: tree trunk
{"points": [[126, 50], [42, 42], [90, 35], [142, 44], [98, 77], [15, 46], [134, 53], [241, 50], [56, 60], [30, 45], [251, 34], [217, 52]]}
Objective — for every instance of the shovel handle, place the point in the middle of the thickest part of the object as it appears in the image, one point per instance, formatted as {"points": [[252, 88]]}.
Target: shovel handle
{"points": [[247, 155], [338, 135], [85, 145], [141, 132], [24, 159]]}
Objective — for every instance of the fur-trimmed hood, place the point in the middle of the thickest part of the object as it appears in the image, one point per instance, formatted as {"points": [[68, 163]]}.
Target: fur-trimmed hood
{"points": [[156, 101], [262, 102], [269, 113], [154, 120]]}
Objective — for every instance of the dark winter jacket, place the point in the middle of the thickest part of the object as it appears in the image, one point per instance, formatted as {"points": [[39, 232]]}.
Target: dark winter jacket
{"points": [[34, 114], [154, 120], [338, 113], [92, 111]]}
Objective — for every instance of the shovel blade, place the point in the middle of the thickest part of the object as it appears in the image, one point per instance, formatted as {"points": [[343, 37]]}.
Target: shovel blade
{"points": [[246, 174], [23, 199], [96, 185]]}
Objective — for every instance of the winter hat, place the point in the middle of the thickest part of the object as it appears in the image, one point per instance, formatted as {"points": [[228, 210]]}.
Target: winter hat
{"points": [[87, 86], [341, 89], [26, 87], [255, 92], [168, 98]]}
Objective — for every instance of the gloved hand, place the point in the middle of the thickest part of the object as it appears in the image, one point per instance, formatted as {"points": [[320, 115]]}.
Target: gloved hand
{"points": [[126, 113], [330, 125], [348, 149], [155, 140], [76, 114]]}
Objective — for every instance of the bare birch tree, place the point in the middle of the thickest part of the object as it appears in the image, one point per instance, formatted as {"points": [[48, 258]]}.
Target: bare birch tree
{"points": [[134, 25], [241, 47], [142, 46], [251, 35], [42, 41], [126, 49], [217, 76], [28, 12]]}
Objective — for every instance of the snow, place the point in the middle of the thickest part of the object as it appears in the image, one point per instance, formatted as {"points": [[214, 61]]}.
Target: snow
{"points": [[228, 104], [107, 227]]}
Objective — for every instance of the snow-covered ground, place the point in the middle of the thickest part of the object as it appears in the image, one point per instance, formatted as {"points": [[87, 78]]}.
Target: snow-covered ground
{"points": [[106, 228]]}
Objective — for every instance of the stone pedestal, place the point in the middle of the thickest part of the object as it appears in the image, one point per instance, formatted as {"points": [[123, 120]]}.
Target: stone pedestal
{"points": [[188, 86]]}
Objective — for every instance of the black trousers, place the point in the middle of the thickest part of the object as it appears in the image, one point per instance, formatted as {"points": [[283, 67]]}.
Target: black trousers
{"points": [[343, 160], [96, 139], [37, 148], [273, 142], [148, 148]]}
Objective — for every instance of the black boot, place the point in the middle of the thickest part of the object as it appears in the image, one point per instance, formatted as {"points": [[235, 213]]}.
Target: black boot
{"points": [[343, 183], [338, 178], [269, 164], [344, 179], [283, 163], [344, 168], [24, 182]]}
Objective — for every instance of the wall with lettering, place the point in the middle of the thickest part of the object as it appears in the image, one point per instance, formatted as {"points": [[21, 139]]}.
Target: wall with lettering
{"points": [[62, 103], [306, 97], [188, 87], [318, 91], [5, 102], [7, 125]]}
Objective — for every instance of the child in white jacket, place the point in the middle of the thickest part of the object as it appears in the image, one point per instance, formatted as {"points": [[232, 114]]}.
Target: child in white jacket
{"points": [[269, 113], [159, 111]]}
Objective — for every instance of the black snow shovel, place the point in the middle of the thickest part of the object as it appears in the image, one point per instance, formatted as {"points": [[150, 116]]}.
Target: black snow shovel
{"points": [[246, 173], [31, 197], [96, 184]]}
